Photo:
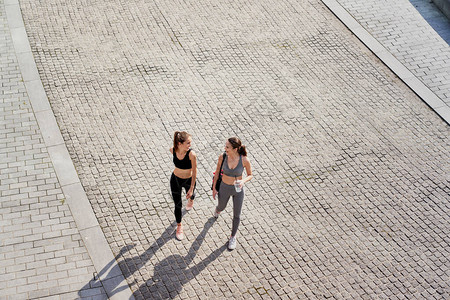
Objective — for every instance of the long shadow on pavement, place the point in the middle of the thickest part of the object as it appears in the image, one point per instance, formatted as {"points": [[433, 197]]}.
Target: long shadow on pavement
{"points": [[172, 273], [127, 267], [169, 275]]}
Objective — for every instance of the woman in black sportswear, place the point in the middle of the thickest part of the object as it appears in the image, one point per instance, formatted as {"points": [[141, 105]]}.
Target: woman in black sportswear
{"points": [[184, 175]]}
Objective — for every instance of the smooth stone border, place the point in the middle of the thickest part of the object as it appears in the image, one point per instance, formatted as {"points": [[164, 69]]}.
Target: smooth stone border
{"points": [[416, 85], [101, 255]]}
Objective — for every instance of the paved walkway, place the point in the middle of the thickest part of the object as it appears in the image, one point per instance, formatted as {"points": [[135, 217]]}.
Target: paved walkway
{"points": [[43, 235], [350, 196], [411, 38], [41, 250]]}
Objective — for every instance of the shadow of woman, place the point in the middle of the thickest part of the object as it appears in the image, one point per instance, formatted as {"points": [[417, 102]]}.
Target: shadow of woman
{"points": [[127, 266], [172, 273]]}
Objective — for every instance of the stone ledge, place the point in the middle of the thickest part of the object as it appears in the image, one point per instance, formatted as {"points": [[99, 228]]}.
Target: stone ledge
{"points": [[416, 85], [98, 248]]}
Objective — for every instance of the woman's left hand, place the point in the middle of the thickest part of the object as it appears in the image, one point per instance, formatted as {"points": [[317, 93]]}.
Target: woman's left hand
{"points": [[189, 193]]}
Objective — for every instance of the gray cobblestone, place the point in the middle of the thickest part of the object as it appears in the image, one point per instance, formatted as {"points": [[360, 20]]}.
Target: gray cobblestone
{"points": [[349, 198]]}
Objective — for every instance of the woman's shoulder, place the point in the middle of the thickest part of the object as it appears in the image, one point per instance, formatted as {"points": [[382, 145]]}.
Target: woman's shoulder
{"points": [[171, 150], [192, 154], [245, 159]]}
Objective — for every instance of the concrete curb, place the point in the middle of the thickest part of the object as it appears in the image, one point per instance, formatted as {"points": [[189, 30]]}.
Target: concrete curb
{"points": [[390, 61], [87, 224]]}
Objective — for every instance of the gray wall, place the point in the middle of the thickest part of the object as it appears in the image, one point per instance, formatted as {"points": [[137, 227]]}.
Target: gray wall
{"points": [[444, 6]]}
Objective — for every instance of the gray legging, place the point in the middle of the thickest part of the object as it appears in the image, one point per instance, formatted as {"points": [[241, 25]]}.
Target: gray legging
{"points": [[225, 191]]}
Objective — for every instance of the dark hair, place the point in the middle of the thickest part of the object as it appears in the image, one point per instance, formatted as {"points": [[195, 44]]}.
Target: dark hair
{"points": [[179, 137], [237, 144]]}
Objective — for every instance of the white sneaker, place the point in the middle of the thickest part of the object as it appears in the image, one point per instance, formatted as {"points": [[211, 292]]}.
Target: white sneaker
{"points": [[216, 214], [232, 243]]}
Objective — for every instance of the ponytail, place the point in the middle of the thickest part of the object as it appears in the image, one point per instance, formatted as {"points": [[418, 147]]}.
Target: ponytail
{"points": [[242, 150], [237, 144], [179, 137]]}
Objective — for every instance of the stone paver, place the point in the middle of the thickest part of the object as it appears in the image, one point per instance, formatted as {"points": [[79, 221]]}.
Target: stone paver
{"points": [[410, 38], [350, 196], [42, 254]]}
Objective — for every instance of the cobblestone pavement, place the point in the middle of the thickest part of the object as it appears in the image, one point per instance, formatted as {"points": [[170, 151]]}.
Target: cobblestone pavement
{"points": [[350, 195], [41, 251], [409, 38]]}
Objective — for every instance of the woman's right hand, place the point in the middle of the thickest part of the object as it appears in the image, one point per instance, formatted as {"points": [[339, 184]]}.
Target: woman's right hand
{"points": [[214, 193]]}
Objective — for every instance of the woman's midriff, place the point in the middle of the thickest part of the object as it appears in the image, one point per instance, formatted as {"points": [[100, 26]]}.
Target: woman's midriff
{"points": [[230, 179], [182, 173]]}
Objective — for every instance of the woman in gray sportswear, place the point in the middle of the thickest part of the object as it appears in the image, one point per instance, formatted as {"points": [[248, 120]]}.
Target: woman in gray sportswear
{"points": [[232, 184]]}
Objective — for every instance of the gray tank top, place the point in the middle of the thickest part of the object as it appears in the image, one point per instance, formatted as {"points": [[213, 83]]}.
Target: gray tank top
{"points": [[236, 172]]}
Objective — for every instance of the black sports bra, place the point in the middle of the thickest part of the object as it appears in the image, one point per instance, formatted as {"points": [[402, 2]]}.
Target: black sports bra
{"points": [[185, 163]]}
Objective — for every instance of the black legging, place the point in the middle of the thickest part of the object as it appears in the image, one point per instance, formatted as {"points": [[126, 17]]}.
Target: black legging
{"points": [[176, 185]]}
